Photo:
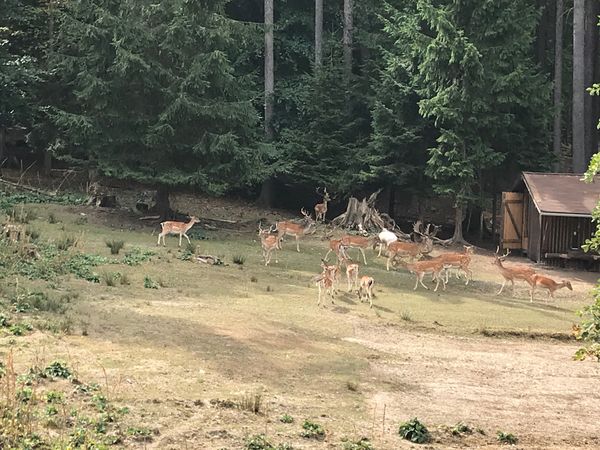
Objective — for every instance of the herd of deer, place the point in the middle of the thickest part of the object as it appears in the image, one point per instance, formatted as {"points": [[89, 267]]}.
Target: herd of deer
{"points": [[438, 267]]}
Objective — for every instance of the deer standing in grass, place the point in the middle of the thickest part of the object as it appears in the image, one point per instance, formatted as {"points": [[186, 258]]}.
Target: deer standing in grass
{"points": [[549, 284], [269, 243], [413, 249], [385, 238], [335, 245], [332, 271], [512, 273], [321, 208], [359, 242], [366, 285], [460, 261], [325, 280], [421, 268], [180, 228], [295, 229], [352, 275]]}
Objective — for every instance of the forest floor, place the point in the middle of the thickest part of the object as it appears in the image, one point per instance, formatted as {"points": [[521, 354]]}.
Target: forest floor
{"points": [[188, 357]]}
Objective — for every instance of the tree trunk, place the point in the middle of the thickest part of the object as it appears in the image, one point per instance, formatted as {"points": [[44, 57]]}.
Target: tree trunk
{"points": [[591, 46], [458, 238], [47, 163], [318, 33], [269, 69], [162, 204], [2, 145], [347, 39], [267, 193], [579, 93], [558, 49]]}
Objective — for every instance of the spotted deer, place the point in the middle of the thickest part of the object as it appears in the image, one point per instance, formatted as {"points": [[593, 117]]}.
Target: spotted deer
{"points": [[549, 284], [511, 273], [321, 208], [180, 228], [295, 229]]}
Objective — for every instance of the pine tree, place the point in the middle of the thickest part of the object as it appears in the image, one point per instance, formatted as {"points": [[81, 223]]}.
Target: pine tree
{"points": [[155, 96], [478, 83]]}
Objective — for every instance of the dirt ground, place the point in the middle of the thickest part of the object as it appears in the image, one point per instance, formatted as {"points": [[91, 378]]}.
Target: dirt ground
{"points": [[178, 354]]}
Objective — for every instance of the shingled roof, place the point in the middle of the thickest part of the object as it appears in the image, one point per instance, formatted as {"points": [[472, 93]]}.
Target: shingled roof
{"points": [[561, 194]]}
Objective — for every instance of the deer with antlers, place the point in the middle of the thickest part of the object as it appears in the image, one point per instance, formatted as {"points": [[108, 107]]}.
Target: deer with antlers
{"points": [[549, 284], [295, 229], [359, 242], [366, 286], [511, 273], [321, 208], [460, 261], [269, 242], [413, 249], [421, 268], [180, 228]]}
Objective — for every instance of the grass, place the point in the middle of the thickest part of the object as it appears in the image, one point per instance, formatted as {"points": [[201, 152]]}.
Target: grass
{"points": [[115, 246]]}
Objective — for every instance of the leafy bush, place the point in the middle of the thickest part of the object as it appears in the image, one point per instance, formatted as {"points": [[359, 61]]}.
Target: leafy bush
{"points": [[149, 283], [54, 397], [9, 200], [312, 430], [507, 438], [362, 444], [20, 329], [137, 256], [260, 442], [115, 246], [286, 418], [65, 242], [414, 431], [239, 260], [140, 433], [58, 369], [81, 266], [111, 278], [188, 252], [461, 428], [52, 218]]}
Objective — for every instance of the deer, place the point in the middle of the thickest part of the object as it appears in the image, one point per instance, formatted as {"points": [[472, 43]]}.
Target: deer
{"points": [[366, 285], [420, 268], [325, 280], [385, 238], [549, 284], [295, 229], [412, 249], [351, 272], [335, 245], [321, 208], [513, 272], [332, 271], [359, 242], [269, 243], [460, 261], [180, 228]]}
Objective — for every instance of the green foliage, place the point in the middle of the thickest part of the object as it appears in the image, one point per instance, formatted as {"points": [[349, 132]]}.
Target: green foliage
{"points": [[54, 397], [362, 444], [111, 278], [588, 330], [20, 329], [312, 430], [137, 256], [149, 283], [9, 201], [461, 428], [260, 442], [286, 418], [507, 438], [140, 433], [58, 369], [115, 246], [81, 266], [414, 431], [65, 242], [239, 260]]}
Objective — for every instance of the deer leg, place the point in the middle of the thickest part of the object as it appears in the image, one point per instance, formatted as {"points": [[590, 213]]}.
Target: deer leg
{"points": [[363, 255], [389, 260], [159, 235], [319, 300], [180, 237], [188, 239], [513, 287], [531, 293], [370, 292], [437, 284], [420, 278], [502, 288], [297, 244], [327, 254]]}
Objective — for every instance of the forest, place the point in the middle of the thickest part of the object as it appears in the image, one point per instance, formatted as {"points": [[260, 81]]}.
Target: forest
{"points": [[433, 98]]}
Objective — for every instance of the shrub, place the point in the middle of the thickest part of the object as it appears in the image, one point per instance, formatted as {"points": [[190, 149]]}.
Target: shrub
{"points": [[362, 444], [312, 430], [239, 260], [260, 442], [137, 256], [251, 402], [33, 234], [65, 242], [149, 283], [253, 279], [286, 418], [4, 321], [352, 386], [54, 397], [406, 316], [414, 431], [24, 215], [52, 218], [111, 278], [58, 369], [81, 220], [140, 433], [507, 438], [124, 279], [19, 329], [115, 246], [461, 428]]}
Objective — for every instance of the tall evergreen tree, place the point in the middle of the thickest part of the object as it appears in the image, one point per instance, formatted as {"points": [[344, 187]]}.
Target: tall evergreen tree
{"points": [[155, 96], [478, 83]]}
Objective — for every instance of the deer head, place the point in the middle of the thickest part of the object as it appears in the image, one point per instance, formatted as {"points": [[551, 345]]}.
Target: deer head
{"points": [[498, 259]]}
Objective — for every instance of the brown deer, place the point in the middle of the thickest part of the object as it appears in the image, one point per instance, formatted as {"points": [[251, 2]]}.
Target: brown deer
{"points": [[549, 284], [413, 249], [325, 281], [332, 271], [421, 268], [359, 242], [366, 285], [295, 229], [180, 228], [351, 273], [460, 261], [335, 245], [269, 243], [321, 208], [512, 273]]}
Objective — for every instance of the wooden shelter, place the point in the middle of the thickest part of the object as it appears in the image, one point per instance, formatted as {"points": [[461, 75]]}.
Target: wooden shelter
{"points": [[549, 216]]}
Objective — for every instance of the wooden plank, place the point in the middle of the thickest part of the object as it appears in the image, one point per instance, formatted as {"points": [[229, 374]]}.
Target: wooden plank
{"points": [[512, 220]]}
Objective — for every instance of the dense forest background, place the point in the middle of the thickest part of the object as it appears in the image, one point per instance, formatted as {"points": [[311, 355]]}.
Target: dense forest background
{"points": [[431, 98]]}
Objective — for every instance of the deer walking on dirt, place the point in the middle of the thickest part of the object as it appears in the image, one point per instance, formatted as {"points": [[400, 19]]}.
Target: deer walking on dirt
{"points": [[180, 228], [549, 284], [321, 208], [366, 286], [512, 273], [295, 229], [269, 243]]}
